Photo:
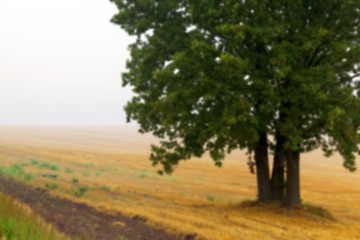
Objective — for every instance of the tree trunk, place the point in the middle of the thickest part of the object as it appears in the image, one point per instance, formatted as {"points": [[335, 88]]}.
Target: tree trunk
{"points": [[277, 177], [262, 168], [292, 197]]}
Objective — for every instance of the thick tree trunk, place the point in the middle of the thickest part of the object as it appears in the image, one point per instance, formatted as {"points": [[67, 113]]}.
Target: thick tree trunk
{"points": [[262, 168], [292, 197], [277, 176]]}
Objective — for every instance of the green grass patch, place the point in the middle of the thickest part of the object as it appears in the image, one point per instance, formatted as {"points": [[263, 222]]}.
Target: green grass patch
{"points": [[85, 173], [68, 170], [75, 179], [34, 161], [122, 238], [108, 168], [29, 177], [105, 188], [50, 166], [210, 198], [319, 211], [51, 186], [16, 171], [62, 190], [86, 165], [79, 191], [144, 175]]}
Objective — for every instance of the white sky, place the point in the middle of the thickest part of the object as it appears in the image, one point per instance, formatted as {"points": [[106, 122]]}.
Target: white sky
{"points": [[60, 63]]}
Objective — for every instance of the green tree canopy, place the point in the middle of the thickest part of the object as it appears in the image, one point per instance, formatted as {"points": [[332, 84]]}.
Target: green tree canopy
{"points": [[218, 75]]}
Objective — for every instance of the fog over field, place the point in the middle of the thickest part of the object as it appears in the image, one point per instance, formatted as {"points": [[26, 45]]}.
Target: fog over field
{"points": [[108, 168], [124, 139]]}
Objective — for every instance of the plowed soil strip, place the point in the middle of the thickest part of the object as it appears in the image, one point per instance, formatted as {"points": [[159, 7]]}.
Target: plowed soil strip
{"points": [[77, 219]]}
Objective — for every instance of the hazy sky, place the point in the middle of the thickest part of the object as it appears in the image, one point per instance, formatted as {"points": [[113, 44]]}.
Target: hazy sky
{"points": [[60, 63]]}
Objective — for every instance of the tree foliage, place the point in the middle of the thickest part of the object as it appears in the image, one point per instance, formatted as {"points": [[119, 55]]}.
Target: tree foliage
{"points": [[212, 75]]}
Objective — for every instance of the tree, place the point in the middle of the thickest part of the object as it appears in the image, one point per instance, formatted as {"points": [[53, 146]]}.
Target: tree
{"points": [[218, 75]]}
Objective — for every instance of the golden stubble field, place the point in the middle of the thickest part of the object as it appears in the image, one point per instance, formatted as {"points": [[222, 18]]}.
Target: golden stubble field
{"points": [[111, 166]]}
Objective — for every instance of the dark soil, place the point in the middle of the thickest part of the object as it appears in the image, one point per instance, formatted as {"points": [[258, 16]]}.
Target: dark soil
{"points": [[81, 220]]}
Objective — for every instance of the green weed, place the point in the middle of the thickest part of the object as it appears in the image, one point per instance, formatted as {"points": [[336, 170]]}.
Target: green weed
{"points": [[34, 161], [105, 188], [16, 171], [144, 175], [86, 165], [210, 198], [68, 170], [79, 192], [321, 212], [51, 186], [75, 179], [50, 166], [29, 177]]}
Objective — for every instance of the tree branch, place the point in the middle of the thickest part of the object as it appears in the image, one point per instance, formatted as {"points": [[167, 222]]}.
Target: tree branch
{"points": [[355, 76]]}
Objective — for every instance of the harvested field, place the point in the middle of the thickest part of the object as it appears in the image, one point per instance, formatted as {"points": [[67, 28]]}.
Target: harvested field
{"points": [[79, 220], [108, 168]]}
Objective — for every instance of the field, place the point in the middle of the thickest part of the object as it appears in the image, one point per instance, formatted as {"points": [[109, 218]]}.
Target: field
{"points": [[108, 168], [17, 221]]}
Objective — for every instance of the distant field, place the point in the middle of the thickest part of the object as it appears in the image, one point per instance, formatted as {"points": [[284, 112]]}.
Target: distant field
{"points": [[108, 167]]}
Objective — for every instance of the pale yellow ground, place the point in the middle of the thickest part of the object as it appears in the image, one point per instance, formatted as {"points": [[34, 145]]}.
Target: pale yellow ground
{"points": [[198, 197]]}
